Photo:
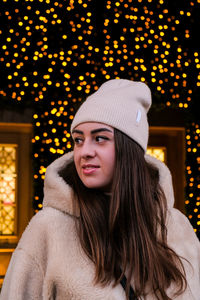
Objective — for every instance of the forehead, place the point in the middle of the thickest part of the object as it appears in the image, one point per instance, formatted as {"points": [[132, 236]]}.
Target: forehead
{"points": [[90, 126]]}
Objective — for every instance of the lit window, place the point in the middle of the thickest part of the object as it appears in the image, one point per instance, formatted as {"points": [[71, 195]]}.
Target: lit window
{"points": [[7, 188], [157, 152]]}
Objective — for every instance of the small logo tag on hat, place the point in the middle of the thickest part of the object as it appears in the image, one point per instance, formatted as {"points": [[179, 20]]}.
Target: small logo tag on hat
{"points": [[138, 117]]}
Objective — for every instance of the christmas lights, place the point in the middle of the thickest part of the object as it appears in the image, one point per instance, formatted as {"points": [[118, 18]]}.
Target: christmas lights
{"points": [[54, 53]]}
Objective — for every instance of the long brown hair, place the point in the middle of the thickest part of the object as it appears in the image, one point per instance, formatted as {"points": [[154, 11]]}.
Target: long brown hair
{"points": [[126, 231]]}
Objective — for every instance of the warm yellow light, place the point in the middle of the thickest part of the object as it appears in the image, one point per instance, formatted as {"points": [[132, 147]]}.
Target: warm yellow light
{"points": [[53, 111]]}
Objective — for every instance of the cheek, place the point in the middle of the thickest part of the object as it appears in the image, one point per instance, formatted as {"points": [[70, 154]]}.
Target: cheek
{"points": [[110, 161], [76, 160]]}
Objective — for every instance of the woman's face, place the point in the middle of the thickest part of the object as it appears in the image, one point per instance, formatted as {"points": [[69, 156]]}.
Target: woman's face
{"points": [[94, 154]]}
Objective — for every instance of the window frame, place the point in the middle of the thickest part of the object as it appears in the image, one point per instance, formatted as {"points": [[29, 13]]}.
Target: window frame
{"points": [[19, 134], [173, 139], [16, 188]]}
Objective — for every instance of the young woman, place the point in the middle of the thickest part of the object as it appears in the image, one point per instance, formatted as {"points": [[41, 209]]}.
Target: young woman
{"points": [[108, 229]]}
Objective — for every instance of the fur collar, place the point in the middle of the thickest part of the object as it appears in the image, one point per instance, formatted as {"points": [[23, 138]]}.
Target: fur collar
{"points": [[59, 195]]}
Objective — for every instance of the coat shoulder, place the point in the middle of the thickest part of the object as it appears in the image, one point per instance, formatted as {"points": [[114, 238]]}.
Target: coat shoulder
{"points": [[179, 228], [43, 227], [183, 240]]}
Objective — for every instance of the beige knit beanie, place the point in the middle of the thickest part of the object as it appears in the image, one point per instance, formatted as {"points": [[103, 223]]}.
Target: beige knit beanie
{"points": [[122, 104]]}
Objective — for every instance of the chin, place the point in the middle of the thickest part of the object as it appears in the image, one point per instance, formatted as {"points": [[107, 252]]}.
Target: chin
{"points": [[92, 185], [100, 187]]}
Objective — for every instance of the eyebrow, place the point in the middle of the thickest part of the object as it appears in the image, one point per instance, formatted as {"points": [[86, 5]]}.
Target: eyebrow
{"points": [[93, 131]]}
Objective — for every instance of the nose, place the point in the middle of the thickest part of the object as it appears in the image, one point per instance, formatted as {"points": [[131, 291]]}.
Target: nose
{"points": [[88, 150]]}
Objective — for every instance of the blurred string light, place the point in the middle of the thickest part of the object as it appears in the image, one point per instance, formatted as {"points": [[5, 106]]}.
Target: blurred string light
{"points": [[192, 173], [54, 53]]}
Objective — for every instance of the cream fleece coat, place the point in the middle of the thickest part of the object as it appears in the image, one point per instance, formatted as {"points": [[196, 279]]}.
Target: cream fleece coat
{"points": [[49, 262]]}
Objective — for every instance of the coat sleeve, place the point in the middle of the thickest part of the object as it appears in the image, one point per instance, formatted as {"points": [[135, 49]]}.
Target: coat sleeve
{"points": [[24, 278], [183, 240]]}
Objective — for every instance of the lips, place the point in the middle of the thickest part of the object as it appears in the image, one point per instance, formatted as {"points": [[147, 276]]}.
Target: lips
{"points": [[89, 168]]}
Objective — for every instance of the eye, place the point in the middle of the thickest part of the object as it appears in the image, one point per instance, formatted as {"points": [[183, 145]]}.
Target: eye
{"points": [[100, 139], [78, 140]]}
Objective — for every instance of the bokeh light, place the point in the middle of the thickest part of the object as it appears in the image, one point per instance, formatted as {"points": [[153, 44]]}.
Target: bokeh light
{"points": [[54, 53]]}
